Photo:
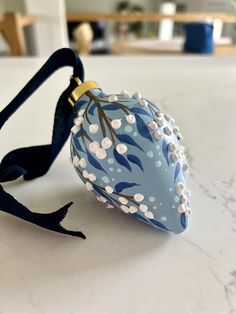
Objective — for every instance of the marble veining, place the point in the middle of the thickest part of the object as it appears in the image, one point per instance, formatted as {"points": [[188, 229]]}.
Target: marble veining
{"points": [[126, 266]]}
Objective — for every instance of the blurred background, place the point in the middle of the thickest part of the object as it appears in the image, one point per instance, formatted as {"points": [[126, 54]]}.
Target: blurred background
{"points": [[32, 27]]}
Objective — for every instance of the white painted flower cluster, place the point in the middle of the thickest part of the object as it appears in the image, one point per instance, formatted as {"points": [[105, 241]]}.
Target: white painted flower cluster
{"points": [[129, 209], [79, 162], [163, 125], [82, 163], [137, 96], [184, 196], [78, 121], [161, 129]]}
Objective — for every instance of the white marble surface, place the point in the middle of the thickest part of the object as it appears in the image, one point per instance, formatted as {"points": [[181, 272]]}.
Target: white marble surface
{"points": [[125, 266]]}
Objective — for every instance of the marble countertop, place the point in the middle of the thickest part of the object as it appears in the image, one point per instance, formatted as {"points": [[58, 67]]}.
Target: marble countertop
{"points": [[125, 266]]}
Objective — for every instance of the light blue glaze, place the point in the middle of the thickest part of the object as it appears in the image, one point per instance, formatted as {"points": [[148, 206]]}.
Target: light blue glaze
{"points": [[146, 167]]}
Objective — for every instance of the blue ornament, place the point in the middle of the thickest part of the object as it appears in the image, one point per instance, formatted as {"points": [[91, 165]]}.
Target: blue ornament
{"points": [[130, 155]]}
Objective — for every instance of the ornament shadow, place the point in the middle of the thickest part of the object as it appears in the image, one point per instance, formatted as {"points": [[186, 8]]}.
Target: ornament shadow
{"points": [[113, 238]]}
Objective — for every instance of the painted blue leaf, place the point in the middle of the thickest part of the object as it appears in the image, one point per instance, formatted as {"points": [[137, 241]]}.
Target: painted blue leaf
{"points": [[142, 128], [183, 220], [92, 108], [94, 162], [102, 94], [165, 151], [80, 104], [140, 111], [121, 160], [111, 107], [124, 185], [177, 170], [128, 140], [77, 143], [158, 224], [135, 160]]}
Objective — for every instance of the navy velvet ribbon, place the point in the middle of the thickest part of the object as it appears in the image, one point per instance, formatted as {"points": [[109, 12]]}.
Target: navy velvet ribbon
{"points": [[33, 162]]}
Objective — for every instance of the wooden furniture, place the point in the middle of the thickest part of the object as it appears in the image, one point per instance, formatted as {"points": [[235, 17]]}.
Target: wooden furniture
{"points": [[149, 17], [157, 47], [12, 27], [124, 47]]}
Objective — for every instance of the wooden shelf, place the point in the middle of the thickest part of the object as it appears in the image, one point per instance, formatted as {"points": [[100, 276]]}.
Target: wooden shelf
{"points": [[149, 17]]}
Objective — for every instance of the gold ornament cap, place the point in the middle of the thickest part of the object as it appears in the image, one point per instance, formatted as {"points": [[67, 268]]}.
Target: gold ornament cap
{"points": [[80, 90]]}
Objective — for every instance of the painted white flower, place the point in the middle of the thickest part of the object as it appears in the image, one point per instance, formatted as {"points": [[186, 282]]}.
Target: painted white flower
{"points": [[79, 121], [160, 122], [121, 149], [109, 189], [137, 96], [149, 215], [89, 186], [93, 128], [74, 129], [94, 146], [112, 98], [176, 130], [179, 188], [123, 200], [92, 177], [116, 123], [138, 197], [125, 94], [186, 173], [167, 117], [125, 208], [152, 125], [181, 208], [101, 153], [130, 118], [75, 161], [158, 135], [106, 143], [174, 157], [109, 206], [160, 115], [143, 102], [83, 163], [81, 112], [172, 120], [101, 199], [188, 192], [85, 174], [183, 199], [183, 157], [182, 148], [167, 130], [171, 147], [180, 136], [133, 209], [143, 207], [188, 211]]}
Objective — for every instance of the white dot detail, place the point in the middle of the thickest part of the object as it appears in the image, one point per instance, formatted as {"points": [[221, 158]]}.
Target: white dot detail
{"points": [[149, 215], [123, 200], [121, 149], [138, 197]]}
